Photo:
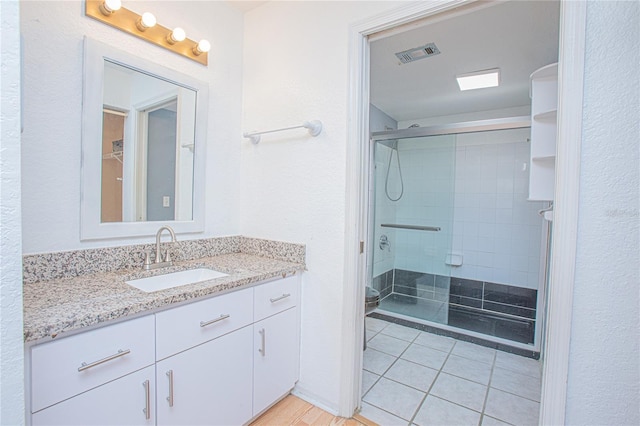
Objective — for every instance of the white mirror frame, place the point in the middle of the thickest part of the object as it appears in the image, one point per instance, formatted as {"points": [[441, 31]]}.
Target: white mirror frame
{"points": [[91, 227]]}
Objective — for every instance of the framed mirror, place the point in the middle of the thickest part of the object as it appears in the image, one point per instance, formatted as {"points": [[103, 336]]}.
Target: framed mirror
{"points": [[143, 146]]}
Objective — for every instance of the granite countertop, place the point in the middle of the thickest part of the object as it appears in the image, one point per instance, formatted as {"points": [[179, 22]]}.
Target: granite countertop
{"points": [[57, 306]]}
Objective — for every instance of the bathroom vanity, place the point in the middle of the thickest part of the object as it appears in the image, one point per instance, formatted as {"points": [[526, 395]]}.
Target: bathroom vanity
{"points": [[218, 352]]}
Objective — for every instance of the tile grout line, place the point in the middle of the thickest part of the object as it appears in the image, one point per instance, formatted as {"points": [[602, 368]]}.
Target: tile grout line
{"points": [[486, 396], [449, 353], [433, 384], [389, 368]]}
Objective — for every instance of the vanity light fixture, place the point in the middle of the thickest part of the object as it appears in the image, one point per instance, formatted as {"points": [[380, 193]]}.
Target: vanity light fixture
{"points": [[177, 35], [146, 21], [479, 79], [110, 6], [145, 27], [203, 46]]}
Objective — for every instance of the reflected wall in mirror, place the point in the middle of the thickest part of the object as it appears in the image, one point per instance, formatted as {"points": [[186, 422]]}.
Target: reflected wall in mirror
{"points": [[143, 146], [148, 130]]}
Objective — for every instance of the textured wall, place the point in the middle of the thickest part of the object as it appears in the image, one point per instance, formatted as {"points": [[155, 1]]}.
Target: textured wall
{"points": [[293, 186], [53, 33], [11, 349], [604, 382]]}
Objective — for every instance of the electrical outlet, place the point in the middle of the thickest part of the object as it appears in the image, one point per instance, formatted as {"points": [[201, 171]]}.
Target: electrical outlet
{"points": [[166, 201]]}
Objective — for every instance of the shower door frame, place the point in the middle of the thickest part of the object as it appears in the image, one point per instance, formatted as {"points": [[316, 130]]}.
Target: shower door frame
{"points": [[571, 60], [489, 125]]}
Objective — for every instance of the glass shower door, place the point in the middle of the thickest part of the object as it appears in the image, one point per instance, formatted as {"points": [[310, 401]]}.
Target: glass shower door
{"points": [[412, 225]]}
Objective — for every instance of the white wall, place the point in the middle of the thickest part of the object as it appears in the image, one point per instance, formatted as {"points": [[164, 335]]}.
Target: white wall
{"points": [[11, 343], [604, 381], [53, 32], [293, 186]]}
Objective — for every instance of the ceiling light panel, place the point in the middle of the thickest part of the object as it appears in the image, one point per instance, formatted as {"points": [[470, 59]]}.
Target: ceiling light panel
{"points": [[479, 79]]}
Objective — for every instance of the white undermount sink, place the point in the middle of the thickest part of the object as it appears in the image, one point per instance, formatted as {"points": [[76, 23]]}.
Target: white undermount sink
{"points": [[175, 279]]}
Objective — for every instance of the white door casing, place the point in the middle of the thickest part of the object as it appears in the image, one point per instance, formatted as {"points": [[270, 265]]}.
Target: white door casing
{"points": [[569, 136]]}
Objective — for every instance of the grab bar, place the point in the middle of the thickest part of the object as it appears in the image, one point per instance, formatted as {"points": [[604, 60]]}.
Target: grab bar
{"points": [[415, 227]]}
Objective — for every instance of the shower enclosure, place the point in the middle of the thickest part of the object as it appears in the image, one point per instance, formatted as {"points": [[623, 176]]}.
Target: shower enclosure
{"points": [[456, 242]]}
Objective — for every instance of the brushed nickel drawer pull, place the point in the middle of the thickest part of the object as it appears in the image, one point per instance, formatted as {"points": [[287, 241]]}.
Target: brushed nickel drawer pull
{"points": [[170, 397], [263, 335], [277, 299], [147, 400], [220, 318], [85, 366]]}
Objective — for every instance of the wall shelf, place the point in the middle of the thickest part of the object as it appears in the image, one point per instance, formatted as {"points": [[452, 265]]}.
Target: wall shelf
{"points": [[544, 104]]}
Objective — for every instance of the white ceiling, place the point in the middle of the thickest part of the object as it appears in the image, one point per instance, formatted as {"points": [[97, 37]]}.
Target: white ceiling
{"points": [[517, 36], [245, 5]]}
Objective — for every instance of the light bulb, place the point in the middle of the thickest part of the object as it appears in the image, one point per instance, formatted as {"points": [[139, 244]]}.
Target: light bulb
{"points": [[176, 35], [203, 46], [147, 20], [110, 6]]}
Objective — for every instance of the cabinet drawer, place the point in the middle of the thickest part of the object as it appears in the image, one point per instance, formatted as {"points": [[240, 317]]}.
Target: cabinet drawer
{"points": [[124, 401], [75, 364], [190, 325], [275, 296]]}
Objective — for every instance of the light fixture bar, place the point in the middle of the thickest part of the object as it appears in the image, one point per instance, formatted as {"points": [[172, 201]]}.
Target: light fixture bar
{"points": [[125, 20], [479, 79]]}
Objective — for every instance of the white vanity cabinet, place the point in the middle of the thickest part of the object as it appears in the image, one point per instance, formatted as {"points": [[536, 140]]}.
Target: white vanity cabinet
{"points": [[276, 344], [207, 385], [218, 361], [206, 376], [81, 379], [122, 402]]}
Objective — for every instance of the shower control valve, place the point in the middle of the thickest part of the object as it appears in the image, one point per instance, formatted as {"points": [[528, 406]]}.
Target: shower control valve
{"points": [[384, 243]]}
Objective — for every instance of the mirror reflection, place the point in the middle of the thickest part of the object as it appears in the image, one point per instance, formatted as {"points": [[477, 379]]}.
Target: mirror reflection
{"points": [[148, 134]]}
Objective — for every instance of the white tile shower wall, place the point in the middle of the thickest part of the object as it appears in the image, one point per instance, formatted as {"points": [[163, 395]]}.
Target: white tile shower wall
{"points": [[428, 175], [495, 228]]}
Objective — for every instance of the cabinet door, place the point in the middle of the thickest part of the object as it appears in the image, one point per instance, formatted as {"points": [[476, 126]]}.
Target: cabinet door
{"points": [[275, 360], [209, 384], [125, 401]]}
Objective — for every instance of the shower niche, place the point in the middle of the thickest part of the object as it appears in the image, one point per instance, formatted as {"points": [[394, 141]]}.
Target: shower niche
{"points": [[463, 249]]}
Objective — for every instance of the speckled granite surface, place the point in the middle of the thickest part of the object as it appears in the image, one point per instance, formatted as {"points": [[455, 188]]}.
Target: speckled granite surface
{"points": [[67, 264], [69, 290]]}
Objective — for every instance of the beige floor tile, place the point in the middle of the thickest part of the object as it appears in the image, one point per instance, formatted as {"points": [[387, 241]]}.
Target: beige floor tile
{"points": [[436, 411], [511, 408], [411, 374], [397, 399], [423, 355], [460, 391], [468, 369], [387, 344]]}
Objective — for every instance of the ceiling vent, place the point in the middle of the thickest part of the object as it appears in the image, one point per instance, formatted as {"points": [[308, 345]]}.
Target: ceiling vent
{"points": [[417, 53]]}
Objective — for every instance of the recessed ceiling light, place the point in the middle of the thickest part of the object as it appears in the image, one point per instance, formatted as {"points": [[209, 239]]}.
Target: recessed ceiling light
{"points": [[479, 79]]}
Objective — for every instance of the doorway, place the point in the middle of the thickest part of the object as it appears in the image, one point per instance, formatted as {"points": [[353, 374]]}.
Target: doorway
{"points": [[572, 37]]}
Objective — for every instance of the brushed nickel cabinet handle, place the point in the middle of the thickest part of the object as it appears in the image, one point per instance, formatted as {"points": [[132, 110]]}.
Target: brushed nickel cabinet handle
{"points": [[263, 349], [147, 400], [170, 397], [121, 352], [284, 296], [220, 318]]}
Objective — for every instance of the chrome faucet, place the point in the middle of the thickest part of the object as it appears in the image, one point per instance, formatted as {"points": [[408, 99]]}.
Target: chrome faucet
{"points": [[160, 261]]}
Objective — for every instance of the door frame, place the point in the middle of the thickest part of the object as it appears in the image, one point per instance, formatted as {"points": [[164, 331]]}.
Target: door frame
{"points": [[563, 248]]}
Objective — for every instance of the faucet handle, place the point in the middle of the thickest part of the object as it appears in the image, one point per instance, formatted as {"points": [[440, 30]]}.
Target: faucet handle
{"points": [[167, 256], [147, 257]]}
